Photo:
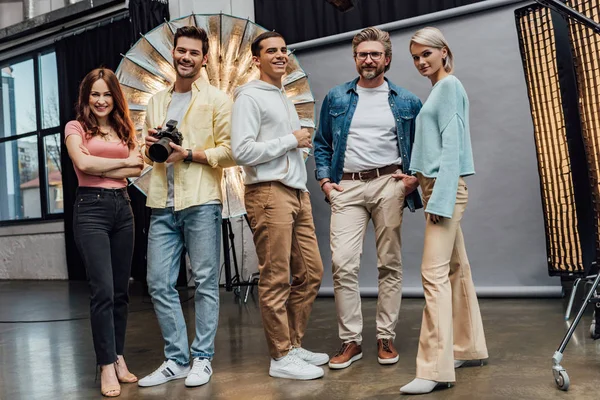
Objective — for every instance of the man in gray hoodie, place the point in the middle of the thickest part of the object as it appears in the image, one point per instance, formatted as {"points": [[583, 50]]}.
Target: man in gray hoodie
{"points": [[268, 141]]}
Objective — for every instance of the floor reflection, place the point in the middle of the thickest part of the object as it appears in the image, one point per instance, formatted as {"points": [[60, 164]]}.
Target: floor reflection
{"points": [[55, 360]]}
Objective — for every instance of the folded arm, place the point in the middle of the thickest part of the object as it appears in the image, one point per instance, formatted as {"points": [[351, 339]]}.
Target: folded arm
{"points": [[93, 165]]}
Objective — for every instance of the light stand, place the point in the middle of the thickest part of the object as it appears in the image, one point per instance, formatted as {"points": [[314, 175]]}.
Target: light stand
{"points": [[561, 377], [233, 206], [229, 247]]}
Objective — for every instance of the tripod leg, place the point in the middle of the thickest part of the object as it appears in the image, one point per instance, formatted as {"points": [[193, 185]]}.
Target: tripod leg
{"points": [[237, 276], [572, 298], [248, 222], [560, 374], [227, 261]]}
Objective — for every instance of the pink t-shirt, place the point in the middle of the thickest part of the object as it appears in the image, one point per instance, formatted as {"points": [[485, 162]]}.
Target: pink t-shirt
{"points": [[99, 148]]}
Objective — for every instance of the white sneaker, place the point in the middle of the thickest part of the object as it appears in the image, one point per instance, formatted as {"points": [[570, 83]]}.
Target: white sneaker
{"points": [[309, 356], [200, 373], [168, 371], [293, 367]]}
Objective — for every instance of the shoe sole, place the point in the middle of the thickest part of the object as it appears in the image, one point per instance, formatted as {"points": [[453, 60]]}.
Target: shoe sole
{"points": [[347, 363], [171, 378], [440, 385], [285, 375], [388, 361], [197, 384], [469, 363]]}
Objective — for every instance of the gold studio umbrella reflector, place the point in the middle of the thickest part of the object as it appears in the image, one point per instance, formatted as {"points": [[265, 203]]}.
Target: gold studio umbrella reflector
{"points": [[147, 68]]}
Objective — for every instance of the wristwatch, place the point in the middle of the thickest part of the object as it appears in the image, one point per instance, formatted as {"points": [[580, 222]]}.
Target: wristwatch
{"points": [[190, 156]]}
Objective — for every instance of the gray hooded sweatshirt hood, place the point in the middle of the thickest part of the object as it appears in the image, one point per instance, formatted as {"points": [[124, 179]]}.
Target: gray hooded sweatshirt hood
{"points": [[262, 140]]}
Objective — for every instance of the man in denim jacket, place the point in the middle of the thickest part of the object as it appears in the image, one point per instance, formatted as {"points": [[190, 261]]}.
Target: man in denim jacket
{"points": [[362, 149]]}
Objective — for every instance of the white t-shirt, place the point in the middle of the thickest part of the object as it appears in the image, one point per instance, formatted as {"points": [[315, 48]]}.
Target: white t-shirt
{"points": [[372, 139], [177, 108]]}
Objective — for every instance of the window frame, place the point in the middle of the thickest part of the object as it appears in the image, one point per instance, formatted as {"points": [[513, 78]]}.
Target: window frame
{"points": [[40, 133]]}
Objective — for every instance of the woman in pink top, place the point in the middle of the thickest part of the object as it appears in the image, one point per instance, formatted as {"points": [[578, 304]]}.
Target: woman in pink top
{"points": [[101, 145]]}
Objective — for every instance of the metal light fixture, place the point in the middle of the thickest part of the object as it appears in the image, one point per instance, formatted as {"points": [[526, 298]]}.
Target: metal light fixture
{"points": [[537, 43], [585, 44], [560, 45], [148, 68]]}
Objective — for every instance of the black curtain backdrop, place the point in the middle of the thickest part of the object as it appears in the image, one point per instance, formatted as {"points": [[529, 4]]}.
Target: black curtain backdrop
{"points": [[147, 14], [300, 20], [76, 56]]}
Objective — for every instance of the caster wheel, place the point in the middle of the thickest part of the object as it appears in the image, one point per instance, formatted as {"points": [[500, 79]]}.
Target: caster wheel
{"points": [[562, 380], [236, 291]]}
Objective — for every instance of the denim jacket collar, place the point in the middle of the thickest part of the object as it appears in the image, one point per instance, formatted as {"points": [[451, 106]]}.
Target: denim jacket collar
{"points": [[352, 86]]}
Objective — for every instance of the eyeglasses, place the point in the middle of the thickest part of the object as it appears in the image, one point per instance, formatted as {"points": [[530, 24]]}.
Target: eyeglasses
{"points": [[375, 55]]}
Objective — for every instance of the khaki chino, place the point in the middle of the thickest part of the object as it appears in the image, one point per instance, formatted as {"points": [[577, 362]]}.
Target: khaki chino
{"points": [[286, 245], [382, 200]]}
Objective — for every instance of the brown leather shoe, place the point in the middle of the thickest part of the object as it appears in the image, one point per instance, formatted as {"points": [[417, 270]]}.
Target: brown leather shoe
{"points": [[348, 353], [386, 353]]}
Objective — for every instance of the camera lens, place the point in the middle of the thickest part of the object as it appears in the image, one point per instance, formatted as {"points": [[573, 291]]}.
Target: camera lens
{"points": [[160, 151]]}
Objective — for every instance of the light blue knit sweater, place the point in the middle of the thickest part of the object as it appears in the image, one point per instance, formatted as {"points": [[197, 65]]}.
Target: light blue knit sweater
{"points": [[442, 146]]}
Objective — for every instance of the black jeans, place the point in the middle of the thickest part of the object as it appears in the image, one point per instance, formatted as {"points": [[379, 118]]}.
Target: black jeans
{"points": [[104, 235]]}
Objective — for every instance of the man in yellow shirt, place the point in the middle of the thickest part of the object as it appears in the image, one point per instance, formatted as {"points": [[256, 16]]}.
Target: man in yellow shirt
{"points": [[185, 197]]}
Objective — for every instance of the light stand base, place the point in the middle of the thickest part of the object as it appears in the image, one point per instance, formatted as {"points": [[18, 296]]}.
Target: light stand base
{"points": [[233, 280]]}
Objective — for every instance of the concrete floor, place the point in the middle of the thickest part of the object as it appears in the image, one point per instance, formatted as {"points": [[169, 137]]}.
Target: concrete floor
{"points": [[55, 360]]}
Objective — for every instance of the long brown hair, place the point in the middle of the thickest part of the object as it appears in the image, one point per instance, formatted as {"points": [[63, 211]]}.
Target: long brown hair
{"points": [[118, 118]]}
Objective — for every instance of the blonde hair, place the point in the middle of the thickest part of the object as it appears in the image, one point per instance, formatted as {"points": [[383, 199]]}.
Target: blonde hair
{"points": [[433, 37], [373, 34]]}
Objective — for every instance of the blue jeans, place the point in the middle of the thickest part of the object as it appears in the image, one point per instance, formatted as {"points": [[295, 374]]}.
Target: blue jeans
{"points": [[199, 229]]}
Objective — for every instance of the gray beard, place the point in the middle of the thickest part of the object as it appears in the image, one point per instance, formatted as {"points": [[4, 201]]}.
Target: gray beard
{"points": [[369, 75]]}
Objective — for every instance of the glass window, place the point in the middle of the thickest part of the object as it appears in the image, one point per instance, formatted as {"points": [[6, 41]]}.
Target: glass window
{"points": [[25, 131], [54, 189], [49, 91], [19, 181], [18, 99]]}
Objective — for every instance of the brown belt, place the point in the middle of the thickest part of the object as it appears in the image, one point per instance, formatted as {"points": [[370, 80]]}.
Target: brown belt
{"points": [[370, 174]]}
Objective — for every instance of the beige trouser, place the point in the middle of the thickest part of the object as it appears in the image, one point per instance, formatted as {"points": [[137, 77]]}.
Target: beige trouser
{"points": [[381, 199], [451, 327], [286, 245]]}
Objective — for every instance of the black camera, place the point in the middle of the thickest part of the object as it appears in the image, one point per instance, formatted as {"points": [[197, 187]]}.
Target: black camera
{"points": [[161, 150]]}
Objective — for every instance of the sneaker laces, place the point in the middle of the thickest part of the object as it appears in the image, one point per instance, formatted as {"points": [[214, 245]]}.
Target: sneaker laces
{"points": [[298, 361], [198, 365], [300, 352], [386, 345], [342, 350]]}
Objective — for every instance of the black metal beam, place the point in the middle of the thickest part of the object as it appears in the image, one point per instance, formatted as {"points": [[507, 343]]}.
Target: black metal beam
{"points": [[562, 8]]}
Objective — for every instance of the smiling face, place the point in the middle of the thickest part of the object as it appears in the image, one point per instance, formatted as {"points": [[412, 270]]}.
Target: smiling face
{"points": [[428, 60], [370, 59], [188, 58], [272, 59], [101, 100]]}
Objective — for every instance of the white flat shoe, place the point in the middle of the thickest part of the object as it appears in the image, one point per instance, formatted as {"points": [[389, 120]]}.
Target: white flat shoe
{"points": [[422, 386]]}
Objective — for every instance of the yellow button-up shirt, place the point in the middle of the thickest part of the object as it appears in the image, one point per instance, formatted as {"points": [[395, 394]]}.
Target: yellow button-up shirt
{"points": [[206, 125]]}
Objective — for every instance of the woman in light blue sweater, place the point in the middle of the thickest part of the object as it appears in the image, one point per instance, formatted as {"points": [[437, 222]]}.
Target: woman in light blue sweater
{"points": [[451, 330]]}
